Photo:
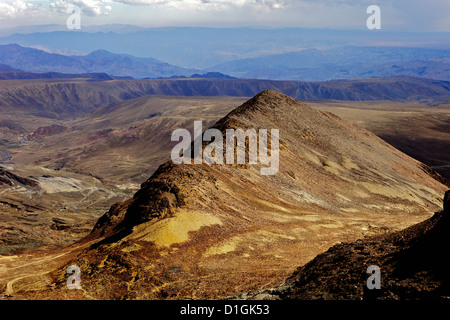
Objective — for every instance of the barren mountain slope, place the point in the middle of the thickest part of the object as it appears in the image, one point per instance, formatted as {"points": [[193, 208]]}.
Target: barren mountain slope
{"points": [[201, 231], [420, 131], [412, 265]]}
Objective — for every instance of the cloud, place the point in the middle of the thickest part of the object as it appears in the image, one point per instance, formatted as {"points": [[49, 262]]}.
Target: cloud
{"points": [[26, 8], [411, 15], [92, 8], [206, 4], [9, 8], [41, 11], [6, 10]]}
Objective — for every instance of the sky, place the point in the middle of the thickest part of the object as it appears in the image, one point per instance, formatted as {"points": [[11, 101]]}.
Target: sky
{"points": [[396, 15]]}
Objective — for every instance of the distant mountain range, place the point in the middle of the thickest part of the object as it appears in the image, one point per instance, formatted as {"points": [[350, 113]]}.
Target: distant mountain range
{"points": [[8, 73], [343, 63], [99, 61], [305, 65], [255, 53]]}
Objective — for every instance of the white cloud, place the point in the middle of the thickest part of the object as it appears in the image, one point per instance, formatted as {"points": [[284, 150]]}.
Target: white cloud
{"points": [[11, 8], [206, 4], [91, 8], [430, 15], [6, 10], [24, 8]]}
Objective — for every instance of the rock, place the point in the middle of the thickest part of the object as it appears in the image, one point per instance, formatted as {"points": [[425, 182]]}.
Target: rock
{"points": [[10, 179], [59, 224]]}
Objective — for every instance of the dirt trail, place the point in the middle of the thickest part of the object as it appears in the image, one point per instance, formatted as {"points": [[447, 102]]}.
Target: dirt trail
{"points": [[13, 269]]}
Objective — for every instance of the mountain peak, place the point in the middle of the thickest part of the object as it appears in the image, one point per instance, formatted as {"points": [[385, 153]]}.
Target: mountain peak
{"points": [[101, 54], [271, 96], [268, 109], [313, 143], [269, 100]]}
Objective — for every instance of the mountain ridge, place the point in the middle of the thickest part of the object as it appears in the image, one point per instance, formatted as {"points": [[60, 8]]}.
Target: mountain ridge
{"points": [[62, 98]]}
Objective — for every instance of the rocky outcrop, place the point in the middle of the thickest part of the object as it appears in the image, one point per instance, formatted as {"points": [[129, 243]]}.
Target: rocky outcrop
{"points": [[158, 198], [48, 130], [10, 179]]}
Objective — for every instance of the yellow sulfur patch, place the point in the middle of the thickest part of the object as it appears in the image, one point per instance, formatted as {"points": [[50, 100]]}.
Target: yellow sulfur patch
{"points": [[349, 164], [173, 230], [222, 248]]}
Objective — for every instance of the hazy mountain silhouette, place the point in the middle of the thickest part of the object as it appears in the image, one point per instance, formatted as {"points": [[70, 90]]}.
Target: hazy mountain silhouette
{"points": [[8, 73], [99, 61], [203, 48], [343, 63]]}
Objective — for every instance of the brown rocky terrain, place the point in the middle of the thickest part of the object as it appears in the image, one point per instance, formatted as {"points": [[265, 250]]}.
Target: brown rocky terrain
{"points": [[47, 210], [83, 166], [412, 265], [201, 231], [47, 130]]}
